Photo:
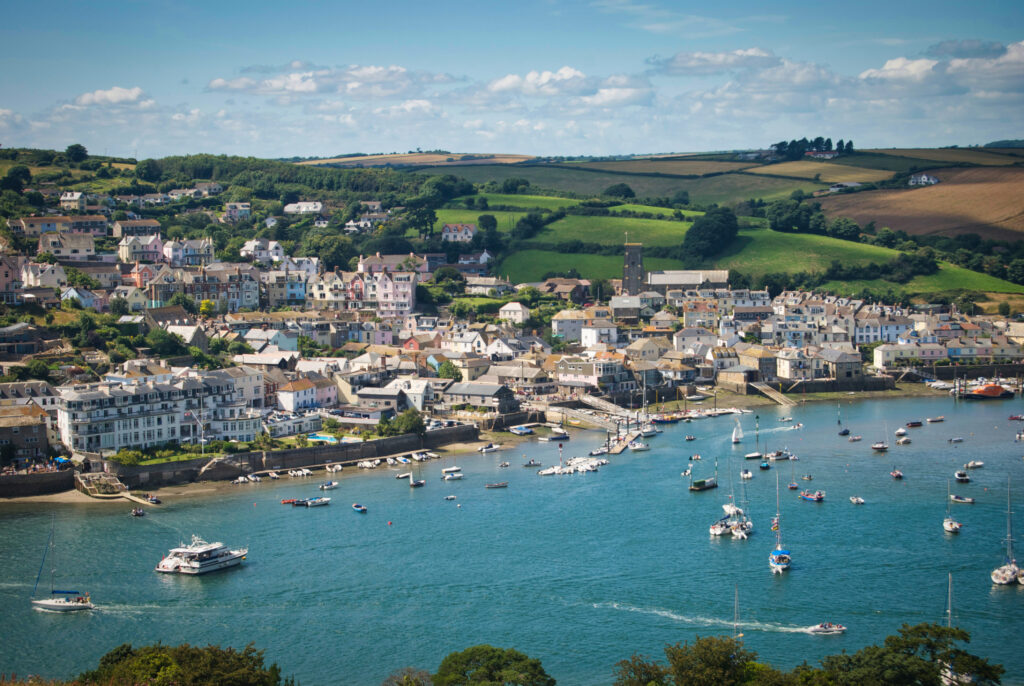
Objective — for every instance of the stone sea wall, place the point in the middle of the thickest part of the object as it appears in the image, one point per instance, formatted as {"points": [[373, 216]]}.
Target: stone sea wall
{"points": [[39, 483]]}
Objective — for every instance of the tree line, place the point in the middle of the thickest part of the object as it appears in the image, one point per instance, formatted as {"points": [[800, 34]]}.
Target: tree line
{"points": [[796, 149]]}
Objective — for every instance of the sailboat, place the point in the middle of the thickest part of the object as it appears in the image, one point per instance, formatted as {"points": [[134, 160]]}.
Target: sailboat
{"points": [[757, 454], [737, 433], [949, 524], [779, 559], [1008, 573], [881, 446], [59, 601], [947, 676]]}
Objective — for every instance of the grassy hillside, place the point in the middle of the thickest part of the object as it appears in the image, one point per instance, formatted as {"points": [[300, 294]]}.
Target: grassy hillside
{"points": [[531, 265], [762, 251], [949, 278], [613, 230], [506, 220], [672, 167], [543, 202], [724, 188]]}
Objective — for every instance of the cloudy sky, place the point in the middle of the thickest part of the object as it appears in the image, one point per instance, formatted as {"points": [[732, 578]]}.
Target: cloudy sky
{"points": [[549, 77]]}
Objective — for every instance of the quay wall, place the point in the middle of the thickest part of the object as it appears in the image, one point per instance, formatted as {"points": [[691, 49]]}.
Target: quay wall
{"points": [[229, 467], [38, 483], [973, 371]]}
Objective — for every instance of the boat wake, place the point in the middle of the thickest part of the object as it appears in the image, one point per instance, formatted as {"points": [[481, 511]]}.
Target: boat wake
{"points": [[690, 620]]}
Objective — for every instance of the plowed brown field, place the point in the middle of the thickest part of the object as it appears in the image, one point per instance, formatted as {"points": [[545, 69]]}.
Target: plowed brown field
{"points": [[988, 201]]}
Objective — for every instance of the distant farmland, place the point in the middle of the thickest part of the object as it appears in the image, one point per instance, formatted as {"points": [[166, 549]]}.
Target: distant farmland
{"points": [[953, 155], [415, 159], [827, 171], [724, 188], [673, 167], [988, 201]]}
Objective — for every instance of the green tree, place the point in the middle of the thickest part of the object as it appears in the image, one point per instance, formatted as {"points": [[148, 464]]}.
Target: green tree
{"points": [[76, 152], [600, 289], [619, 190], [639, 671], [447, 370], [206, 308], [80, 279], [186, 302], [422, 219], [408, 676], [20, 172], [1004, 309], [184, 665], [37, 369], [709, 661], [487, 222], [148, 170], [681, 198], [118, 306], [165, 344], [490, 666]]}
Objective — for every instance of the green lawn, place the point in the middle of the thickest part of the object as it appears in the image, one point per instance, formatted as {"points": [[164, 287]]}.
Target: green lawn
{"points": [[663, 211], [613, 230], [531, 265]]}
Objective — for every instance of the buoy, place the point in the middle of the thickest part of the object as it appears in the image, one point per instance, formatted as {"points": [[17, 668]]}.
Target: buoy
{"points": [[389, 523]]}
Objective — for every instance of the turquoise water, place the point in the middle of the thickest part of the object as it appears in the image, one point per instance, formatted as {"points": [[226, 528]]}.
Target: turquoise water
{"points": [[579, 571], [323, 437]]}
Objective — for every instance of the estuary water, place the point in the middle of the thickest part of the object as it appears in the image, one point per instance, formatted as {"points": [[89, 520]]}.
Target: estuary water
{"points": [[579, 571]]}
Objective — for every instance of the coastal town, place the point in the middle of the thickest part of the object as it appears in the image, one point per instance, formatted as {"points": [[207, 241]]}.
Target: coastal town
{"points": [[125, 345]]}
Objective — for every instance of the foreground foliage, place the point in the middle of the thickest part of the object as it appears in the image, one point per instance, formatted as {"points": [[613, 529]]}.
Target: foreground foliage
{"points": [[184, 665]]}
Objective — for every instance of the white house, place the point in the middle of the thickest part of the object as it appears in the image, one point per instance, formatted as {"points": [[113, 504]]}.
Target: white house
{"points": [[922, 180], [303, 207], [599, 332], [262, 250], [514, 312], [568, 325], [458, 233]]}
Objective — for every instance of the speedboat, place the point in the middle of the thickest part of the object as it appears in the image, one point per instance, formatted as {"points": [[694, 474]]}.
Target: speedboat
{"points": [[521, 430], [298, 502], [418, 483], [854, 439], [449, 497], [936, 420], [361, 509], [754, 456], [152, 499], [532, 463], [254, 478], [746, 474], [961, 499], [489, 448], [638, 446], [827, 629], [764, 465], [287, 501], [691, 437], [816, 497], [896, 474], [881, 446], [951, 526], [318, 502], [913, 424], [200, 557], [974, 464], [328, 486], [962, 476], [844, 432], [273, 476], [903, 440], [138, 512], [785, 419], [499, 484], [956, 439], [856, 500], [598, 451], [453, 476], [901, 431]]}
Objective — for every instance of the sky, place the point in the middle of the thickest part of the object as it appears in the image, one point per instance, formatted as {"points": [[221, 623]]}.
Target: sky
{"points": [[150, 78]]}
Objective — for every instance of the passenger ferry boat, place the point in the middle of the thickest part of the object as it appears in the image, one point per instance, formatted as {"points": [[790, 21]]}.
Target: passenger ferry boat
{"points": [[200, 557]]}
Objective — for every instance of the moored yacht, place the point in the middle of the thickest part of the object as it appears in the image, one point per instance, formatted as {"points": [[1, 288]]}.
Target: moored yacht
{"points": [[200, 557]]}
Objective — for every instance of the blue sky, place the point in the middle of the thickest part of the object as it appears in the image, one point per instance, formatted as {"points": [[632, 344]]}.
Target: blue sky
{"points": [[545, 77]]}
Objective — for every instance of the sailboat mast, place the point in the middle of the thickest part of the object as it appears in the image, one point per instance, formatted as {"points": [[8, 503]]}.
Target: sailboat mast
{"points": [[42, 563], [736, 611], [949, 602], [1009, 524]]}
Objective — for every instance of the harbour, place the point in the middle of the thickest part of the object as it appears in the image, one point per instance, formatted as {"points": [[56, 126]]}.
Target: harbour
{"points": [[579, 571]]}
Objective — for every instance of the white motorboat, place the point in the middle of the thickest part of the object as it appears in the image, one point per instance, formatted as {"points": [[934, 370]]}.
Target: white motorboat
{"points": [[639, 446], [602, 450], [1009, 571], [318, 502], [489, 448], [901, 431], [451, 470], [746, 474], [254, 478], [826, 629], [903, 441], [59, 600], [200, 557], [328, 485], [779, 559], [962, 476], [273, 476], [974, 464], [403, 475], [856, 500], [880, 446], [950, 525], [452, 476], [956, 439], [648, 430], [753, 456]]}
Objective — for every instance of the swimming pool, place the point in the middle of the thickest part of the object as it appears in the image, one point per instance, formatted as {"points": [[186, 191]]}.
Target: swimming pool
{"points": [[322, 437]]}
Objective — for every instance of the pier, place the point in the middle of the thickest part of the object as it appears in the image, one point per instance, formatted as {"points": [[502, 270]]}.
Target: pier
{"points": [[621, 445]]}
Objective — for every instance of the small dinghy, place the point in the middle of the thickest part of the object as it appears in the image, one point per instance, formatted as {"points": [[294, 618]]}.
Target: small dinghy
{"points": [[361, 509]]}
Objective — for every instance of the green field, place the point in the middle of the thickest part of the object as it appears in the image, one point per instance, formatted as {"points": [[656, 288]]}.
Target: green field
{"points": [[949, 278], [531, 265], [529, 202], [506, 220], [761, 251], [613, 230], [663, 211], [720, 189]]}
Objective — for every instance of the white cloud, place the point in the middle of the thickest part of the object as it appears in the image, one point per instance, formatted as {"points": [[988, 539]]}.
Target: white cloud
{"points": [[704, 63], [541, 83], [364, 81], [112, 96], [903, 69]]}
